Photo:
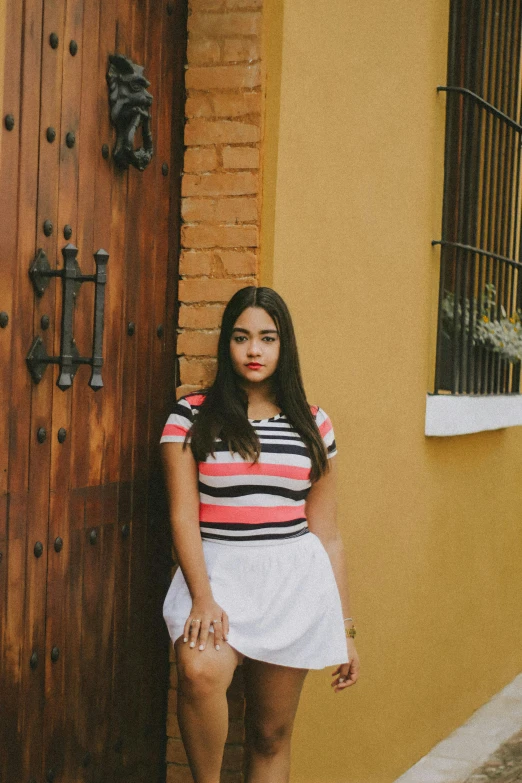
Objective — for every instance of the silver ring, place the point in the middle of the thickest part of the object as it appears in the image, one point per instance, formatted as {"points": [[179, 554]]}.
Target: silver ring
{"points": [[195, 621], [216, 621]]}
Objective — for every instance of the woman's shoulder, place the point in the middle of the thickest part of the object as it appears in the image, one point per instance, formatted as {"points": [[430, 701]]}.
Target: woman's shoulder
{"points": [[193, 400], [318, 413]]}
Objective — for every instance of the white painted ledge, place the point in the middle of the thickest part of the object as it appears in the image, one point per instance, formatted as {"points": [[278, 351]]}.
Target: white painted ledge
{"points": [[456, 757], [461, 414]]}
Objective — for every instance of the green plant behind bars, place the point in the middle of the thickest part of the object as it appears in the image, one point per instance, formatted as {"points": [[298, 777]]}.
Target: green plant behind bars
{"points": [[501, 335]]}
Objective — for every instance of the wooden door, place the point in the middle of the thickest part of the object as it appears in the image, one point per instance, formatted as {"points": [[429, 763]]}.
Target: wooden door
{"points": [[85, 552]]}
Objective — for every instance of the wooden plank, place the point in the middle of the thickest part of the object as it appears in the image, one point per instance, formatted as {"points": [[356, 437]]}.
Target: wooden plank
{"points": [[10, 150], [33, 406], [143, 52], [154, 681], [12, 563], [169, 144], [106, 651], [12, 639], [109, 180], [66, 176], [120, 715], [85, 442], [131, 374], [74, 753]]}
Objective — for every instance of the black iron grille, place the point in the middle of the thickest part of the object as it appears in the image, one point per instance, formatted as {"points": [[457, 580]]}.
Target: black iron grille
{"points": [[479, 337]]}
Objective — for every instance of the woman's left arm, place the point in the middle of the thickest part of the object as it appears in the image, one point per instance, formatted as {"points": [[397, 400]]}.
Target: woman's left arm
{"points": [[321, 513]]}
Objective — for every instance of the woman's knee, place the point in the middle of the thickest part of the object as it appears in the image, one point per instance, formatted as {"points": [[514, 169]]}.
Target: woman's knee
{"points": [[268, 739], [199, 673]]}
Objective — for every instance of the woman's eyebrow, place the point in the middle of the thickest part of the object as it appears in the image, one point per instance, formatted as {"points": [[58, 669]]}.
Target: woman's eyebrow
{"points": [[261, 331]]}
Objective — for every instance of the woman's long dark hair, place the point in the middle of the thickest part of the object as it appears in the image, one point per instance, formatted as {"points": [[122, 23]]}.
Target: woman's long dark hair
{"points": [[224, 411]]}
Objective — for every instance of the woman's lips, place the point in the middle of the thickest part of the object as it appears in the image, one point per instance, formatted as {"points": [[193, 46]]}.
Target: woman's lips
{"points": [[254, 366]]}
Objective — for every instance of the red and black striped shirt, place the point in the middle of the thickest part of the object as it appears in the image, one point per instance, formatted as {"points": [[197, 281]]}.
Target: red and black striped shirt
{"points": [[243, 502]]}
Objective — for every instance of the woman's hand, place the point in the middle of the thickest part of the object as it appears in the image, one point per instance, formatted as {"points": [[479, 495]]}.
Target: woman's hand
{"points": [[348, 673], [205, 611]]}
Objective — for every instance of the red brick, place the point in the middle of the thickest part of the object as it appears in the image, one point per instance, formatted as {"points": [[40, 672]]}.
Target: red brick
{"points": [[231, 777], [206, 5], [203, 52], [240, 158], [236, 105], [219, 25], [244, 3], [199, 373], [176, 751], [173, 728], [218, 236], [205, 131], [237, 50], [223, 77], [199, 106], [211, 290], [227, 184], [237, 210], [236, 731], [172, 701], [224, 105], [200, 159], [195, 262], [203, 317], [233, 758], [236, 709], [237, 262], [220, 210], [179, 773], [196, 343], [197, 210], [237, 686]]}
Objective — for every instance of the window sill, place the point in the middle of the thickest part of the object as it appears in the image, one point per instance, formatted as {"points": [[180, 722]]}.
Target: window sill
{"points": [[461, 414]]}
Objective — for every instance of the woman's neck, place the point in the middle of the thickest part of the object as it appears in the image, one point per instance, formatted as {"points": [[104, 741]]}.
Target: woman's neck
{"points": [[261, 397]]}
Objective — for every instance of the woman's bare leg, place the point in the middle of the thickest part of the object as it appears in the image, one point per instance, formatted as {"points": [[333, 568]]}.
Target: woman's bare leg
{"points": [[272, 696], [203, 679]]}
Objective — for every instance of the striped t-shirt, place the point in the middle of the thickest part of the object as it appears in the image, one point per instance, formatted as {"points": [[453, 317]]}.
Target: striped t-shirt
{"points": [[244, 502]]}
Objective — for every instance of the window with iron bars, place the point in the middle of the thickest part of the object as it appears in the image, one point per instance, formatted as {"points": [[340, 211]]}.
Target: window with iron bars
{"points": [[479, 335]]}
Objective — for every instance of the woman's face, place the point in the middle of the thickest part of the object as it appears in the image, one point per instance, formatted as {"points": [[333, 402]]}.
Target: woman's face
{"points": [[254, 345]]}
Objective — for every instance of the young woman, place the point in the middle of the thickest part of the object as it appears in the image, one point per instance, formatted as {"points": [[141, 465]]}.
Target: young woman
{"points": [[250, 470]]}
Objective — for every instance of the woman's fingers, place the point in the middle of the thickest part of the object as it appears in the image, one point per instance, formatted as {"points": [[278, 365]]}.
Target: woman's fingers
{"points": [[194, 631], [348, 674], [197, 629], [226, 626], [218, 633]]}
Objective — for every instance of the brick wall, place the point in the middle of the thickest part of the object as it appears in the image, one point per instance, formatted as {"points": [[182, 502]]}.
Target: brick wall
{"points": [[220, 238], [220, 188]]}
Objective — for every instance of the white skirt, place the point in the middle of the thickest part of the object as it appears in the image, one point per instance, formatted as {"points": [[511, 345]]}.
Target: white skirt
{"points": [[281, 598]]}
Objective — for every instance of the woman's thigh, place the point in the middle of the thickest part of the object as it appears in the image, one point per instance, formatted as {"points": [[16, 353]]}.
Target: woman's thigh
{"points": [[272, 695]]}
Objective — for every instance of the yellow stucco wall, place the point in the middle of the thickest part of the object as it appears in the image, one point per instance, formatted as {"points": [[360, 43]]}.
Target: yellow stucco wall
{"points": [[352, 199]]}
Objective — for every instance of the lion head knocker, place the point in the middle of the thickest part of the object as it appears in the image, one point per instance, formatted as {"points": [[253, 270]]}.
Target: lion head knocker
{"points": [[130, 103]]}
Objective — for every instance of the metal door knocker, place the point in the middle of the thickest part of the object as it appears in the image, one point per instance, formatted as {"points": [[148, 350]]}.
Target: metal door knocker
{"points": [[130, 103]]}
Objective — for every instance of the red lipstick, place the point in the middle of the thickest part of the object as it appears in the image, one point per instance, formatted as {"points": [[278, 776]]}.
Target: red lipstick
{"points": [[254, 365]]}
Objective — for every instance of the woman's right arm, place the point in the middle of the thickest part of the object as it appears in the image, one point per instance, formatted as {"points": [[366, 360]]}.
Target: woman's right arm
{"points": [[181, 474]]}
